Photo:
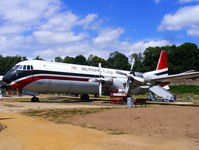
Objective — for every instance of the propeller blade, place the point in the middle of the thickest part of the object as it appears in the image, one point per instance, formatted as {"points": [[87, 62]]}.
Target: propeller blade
{"points": [[126, 90], [132, 63], [138, 79], [100, 88], [100, 69], [100, 83]]}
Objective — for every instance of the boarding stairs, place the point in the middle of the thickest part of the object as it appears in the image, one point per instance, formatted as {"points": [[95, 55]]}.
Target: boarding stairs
{"points": [[162, 93]]}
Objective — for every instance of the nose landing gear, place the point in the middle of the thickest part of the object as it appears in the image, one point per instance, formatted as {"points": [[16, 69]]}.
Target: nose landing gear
{"points": [[34, 99]]}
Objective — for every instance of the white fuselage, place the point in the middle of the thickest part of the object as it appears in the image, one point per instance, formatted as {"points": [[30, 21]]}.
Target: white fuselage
{"points": [[52, 77]]}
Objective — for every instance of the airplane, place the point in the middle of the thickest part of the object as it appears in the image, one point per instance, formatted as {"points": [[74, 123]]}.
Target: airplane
{"points": [[38, 76]]}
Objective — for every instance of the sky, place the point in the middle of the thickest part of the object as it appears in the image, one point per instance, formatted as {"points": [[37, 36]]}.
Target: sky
{"points": [[50, 28]]}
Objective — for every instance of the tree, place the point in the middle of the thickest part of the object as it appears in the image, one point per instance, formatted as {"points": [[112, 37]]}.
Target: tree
{"points": [[38, 58], [185, 57], [152, 54], [118, 60], [6, 63], [81, 60], [94, 60], [58, 59], [138, 65], [69, 59]]}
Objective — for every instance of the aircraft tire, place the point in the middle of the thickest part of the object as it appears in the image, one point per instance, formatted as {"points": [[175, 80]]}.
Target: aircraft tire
{"points": [[34, 99], [85, 97]]}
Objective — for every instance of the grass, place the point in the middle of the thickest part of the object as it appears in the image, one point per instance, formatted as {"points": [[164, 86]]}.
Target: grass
{"points": [[185, 89], [64, 116], [11, 105], [61, 115], [115, 132]]}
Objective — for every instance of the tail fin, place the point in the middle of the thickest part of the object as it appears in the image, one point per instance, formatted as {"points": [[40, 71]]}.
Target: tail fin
{"points": [[163, 61]]}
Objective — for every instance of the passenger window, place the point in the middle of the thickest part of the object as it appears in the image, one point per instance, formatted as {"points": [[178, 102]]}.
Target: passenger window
{"points": [[24, 67], [28, 67], [31, 67]]}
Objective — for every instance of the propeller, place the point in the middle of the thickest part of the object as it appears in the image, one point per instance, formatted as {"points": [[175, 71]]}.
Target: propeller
{"points": [[131, 77], [132, 63], [101, 79], [100, 82]]}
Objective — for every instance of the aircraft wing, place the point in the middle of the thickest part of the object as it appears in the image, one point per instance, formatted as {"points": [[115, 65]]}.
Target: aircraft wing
{"points": [[180, 76]]}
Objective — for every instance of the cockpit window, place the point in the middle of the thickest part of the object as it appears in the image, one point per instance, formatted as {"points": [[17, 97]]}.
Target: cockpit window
{"points": [[16, 67], [20, 67]]}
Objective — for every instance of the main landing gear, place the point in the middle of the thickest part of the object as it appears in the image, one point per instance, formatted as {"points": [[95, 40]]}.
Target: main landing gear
{"points": [[34, 99], [84, 97]]}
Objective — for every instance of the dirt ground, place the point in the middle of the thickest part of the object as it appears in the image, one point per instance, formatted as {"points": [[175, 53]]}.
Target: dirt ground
{"points": [[162, 122], [150, 128], [2, 126]]}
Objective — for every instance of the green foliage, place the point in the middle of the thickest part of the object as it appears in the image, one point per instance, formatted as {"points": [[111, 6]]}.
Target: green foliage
{"points": [[118, 60], [69, 59], [185, 57], [182, 58], [38, 58], [138, 66], [81, 60], [94, 60], [8, 62], [185, 89], [58, 59]]}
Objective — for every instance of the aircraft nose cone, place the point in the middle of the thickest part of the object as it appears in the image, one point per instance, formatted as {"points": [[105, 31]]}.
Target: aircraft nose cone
{"points": [[6, 79]]}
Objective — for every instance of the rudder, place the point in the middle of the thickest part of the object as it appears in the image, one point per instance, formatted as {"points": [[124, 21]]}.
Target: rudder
{"points": [[163, 61]]}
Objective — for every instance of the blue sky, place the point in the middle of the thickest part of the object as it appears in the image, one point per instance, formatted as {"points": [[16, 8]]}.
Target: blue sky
{"points": [[51, 28]]}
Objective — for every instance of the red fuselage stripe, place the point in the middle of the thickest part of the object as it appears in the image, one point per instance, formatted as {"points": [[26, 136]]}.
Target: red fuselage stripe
{"points": [[23, 83]]}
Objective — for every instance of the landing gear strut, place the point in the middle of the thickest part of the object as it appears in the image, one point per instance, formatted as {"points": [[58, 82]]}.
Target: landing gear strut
{"points": [[34, 99], [84, 97]]}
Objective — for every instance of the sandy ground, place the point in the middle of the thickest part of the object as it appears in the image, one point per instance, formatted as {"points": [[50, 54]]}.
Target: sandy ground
{"points": [[27, 133]]}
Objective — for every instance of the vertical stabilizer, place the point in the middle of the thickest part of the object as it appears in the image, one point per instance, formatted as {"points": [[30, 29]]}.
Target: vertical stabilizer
{"points": [[163, 61]]}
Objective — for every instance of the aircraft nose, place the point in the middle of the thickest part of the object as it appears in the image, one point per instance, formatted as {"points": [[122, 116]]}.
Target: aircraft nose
{"points": [[7, 78]]}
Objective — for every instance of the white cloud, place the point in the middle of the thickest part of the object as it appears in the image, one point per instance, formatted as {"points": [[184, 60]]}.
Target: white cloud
{"points": [[11, 29], [88, 48], [194, 31], [25, 10], [9, 45], [157, 1], [61, 22], [140, 46], [43, 27], [187, 1], [108, 35], [186, 18], [90, 18], [57, 37], [66, 50]]}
